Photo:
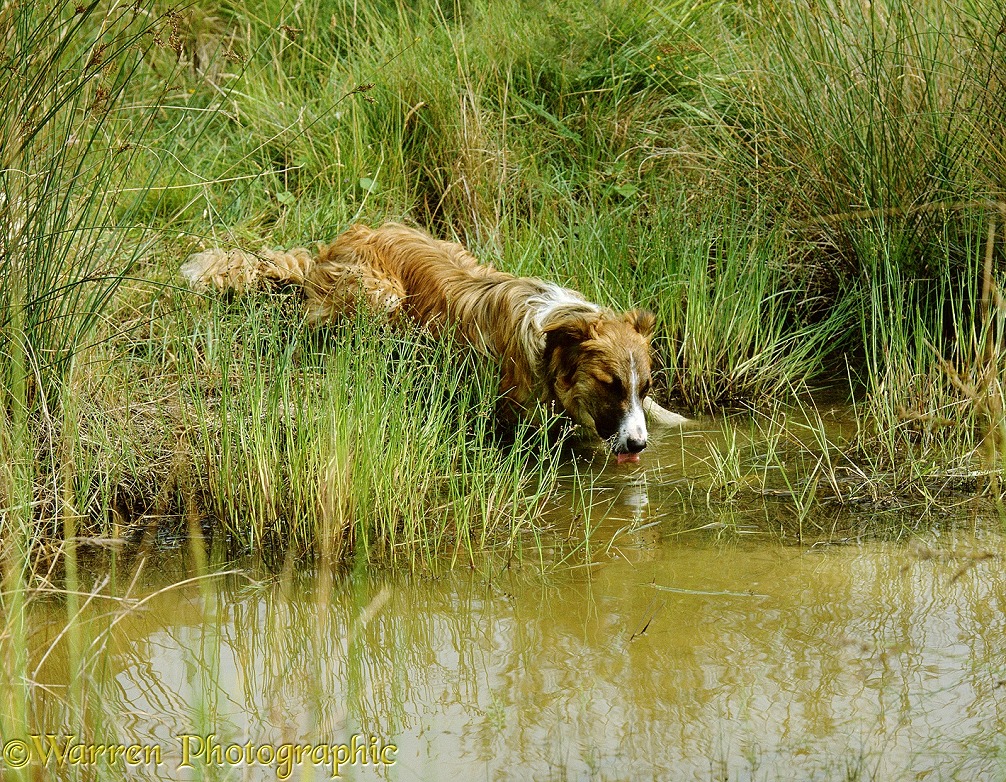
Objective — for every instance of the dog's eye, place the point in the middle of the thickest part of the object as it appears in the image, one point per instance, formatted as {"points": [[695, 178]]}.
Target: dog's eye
{"points": [[644, 389], [615, 385]]}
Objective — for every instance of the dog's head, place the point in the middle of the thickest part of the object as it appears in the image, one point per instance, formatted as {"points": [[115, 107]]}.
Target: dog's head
{"points": [[598, 368]]}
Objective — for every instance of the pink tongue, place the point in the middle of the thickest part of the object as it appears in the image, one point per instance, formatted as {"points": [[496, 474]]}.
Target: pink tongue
{"points": [[628, 457]]}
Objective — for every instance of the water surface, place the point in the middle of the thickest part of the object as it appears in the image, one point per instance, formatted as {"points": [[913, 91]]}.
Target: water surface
{"points": [[687, 640]]}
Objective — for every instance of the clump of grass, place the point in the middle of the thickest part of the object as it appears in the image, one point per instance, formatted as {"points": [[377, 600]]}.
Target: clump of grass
{"points": [[355, 439], [867, 134], [739, 322], [852, 107], [75, 177], [935, 397], [67, 143]]}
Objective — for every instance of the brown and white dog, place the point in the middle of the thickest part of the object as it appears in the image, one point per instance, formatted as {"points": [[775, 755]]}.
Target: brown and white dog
{"points": [[551, 344]]}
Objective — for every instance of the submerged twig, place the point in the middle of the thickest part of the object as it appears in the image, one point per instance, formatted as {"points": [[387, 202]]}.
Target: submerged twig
{"points": [[651, 611]]}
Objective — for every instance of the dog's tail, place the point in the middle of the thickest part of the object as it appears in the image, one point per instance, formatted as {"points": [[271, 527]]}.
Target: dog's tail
{"points": [[239, 270]]}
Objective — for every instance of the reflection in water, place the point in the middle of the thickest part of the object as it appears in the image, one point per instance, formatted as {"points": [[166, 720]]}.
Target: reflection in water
{"points": [[678, 654]]}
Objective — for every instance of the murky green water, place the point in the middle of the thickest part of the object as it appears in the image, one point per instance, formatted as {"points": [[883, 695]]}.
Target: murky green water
{"points": [[688, 644]]}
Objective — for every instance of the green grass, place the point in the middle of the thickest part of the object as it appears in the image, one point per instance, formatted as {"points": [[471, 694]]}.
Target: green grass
{"points": [[801, 196], [363, 439]]}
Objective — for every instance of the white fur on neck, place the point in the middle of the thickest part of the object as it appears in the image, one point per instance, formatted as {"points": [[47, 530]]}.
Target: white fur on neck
{"points": [[552, 298], [541, 308]]}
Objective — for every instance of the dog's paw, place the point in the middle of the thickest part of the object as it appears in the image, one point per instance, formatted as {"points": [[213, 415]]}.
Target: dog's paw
{"points": [[657, 415]]}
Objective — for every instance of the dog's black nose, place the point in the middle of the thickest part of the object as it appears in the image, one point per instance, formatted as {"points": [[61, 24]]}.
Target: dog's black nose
{"points": [[634, 446]]}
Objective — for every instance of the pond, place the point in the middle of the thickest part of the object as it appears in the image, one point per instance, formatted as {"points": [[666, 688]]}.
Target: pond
{"points": [[686, 640]]}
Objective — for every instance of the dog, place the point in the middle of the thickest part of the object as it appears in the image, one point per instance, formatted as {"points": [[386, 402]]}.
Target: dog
{"points": [[551, 344]]}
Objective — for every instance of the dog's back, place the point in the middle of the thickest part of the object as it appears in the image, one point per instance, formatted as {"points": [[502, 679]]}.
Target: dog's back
{"points": [[382, 265], [397, 269]]}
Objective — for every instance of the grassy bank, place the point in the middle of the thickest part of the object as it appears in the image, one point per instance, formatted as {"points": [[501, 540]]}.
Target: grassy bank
{"points": [[800, 195]]}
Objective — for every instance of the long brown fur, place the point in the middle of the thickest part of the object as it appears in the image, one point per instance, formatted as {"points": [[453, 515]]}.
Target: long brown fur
{"points": [[551, 344]]}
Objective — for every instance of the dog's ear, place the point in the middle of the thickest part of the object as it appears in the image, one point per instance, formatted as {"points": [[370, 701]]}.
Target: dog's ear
{"points": [[642, 321], [564, 334], [570, 329]]}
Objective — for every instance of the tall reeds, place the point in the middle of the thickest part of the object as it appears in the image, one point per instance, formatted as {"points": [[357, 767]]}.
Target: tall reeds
{"points": [[68, 139]]}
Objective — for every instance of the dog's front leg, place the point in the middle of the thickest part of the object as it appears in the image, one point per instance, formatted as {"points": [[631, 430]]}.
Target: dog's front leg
{"points": [[659, 416]]}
